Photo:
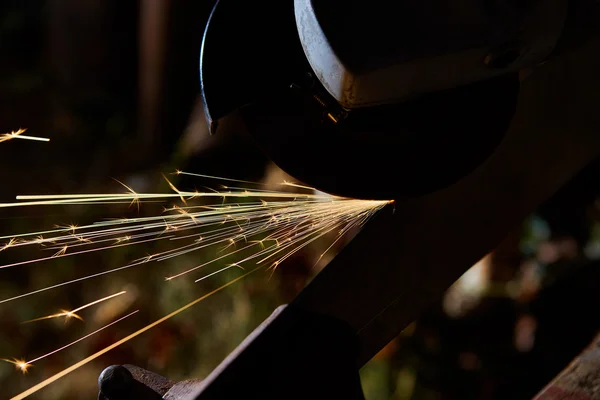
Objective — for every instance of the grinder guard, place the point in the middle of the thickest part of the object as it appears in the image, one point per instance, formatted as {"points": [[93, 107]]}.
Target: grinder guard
{"points": [[388, 151]]}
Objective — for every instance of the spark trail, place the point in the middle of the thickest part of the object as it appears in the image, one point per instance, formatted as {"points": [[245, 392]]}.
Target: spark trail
{"points": [[246, 229], [23, 366], [18, 134], [72, 314], [99, 353], [266, 231]]}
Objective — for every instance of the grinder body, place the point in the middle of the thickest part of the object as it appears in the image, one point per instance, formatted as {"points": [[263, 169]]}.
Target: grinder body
{"points": [[377, 100]]}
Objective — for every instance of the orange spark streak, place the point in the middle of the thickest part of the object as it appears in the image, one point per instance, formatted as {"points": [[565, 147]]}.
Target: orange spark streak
{"points": [[25, 365], [18, 135], [72, 313], [81, 363], [21, 365], [81, 338]]}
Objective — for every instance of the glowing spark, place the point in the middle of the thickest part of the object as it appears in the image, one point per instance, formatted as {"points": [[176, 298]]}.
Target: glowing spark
{"points": [[126, 238], [261, 243], [72, 314], [61, 252], [179, 172], [286, 183], [180, 193], [69, 228], [136, 199], [18, 134], [21, 365], [147, 258], [272, 231], [105, 198], [83, 362], [218, 272], [185, 213], [24, 365], [58, 285], [231, 243], [206, 263], [82, 239], [169, 227], [10, 243]]}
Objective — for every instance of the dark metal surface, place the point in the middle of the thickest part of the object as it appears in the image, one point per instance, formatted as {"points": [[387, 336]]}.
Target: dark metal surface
{"points": [[373, 36], [386, 152], [242, 56], [378, 152], [303, 356], [124, 382]]}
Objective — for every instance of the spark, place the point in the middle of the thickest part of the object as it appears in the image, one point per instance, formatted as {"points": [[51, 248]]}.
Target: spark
{"points": [[257, 218], [205, 264], [254, 229], [61, 252], [82, 239], [105, 350], [72, 314], [185, 213], [136, 199], [9, 244], [18, 134], [21, 365], [24, 365], [219, 271], [176, 190], [286, 183], [125, 238], [106, 198], [261, 243], [179, 172]]}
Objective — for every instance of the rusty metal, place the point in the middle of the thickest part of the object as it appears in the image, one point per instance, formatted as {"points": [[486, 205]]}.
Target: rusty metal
{"points": [[580, 380], [129, 381]]}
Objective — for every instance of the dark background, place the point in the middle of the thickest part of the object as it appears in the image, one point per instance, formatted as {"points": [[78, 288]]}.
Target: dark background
{"points": [[114, 84]]}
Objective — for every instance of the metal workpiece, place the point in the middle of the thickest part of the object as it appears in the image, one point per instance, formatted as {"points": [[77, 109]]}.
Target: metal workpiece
{"points": [[294, 355], [125, 382], [303, 356], [580, 380]]}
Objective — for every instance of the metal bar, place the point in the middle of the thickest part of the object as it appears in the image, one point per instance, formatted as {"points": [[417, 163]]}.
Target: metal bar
{"points": [[580, 380]]}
